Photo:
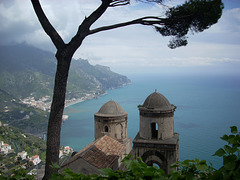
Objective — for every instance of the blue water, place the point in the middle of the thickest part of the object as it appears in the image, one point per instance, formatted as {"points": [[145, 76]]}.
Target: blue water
{"points": [[206, 107]]}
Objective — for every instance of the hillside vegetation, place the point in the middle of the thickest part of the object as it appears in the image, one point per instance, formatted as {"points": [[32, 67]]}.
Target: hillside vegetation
{"points": [[29, 119], [21, 141], [27, 71], [27, 75]]}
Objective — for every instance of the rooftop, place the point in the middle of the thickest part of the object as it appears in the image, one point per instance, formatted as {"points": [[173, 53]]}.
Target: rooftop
{"points": [[158, 102], [111, 108], [101, 153]]}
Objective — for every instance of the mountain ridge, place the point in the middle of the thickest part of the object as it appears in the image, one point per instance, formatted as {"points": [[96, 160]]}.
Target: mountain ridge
{"points": [[29, 68], [27, 75]]}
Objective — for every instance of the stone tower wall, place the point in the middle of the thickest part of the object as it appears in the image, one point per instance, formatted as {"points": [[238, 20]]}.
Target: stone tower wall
{"points": [[160, 153], [115, 127], [164, 126]]}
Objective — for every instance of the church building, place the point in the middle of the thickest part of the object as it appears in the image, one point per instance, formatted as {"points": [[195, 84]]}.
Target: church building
{"points": [[156, 142]]}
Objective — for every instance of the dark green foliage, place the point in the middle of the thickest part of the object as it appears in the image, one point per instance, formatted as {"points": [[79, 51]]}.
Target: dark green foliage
{"points": [[20, 174], [194, 15], [135, 169], [191, 169], [231, 156]]}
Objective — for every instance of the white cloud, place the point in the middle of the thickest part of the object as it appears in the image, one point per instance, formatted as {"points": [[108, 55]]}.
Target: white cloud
{"points": [[16, 19], [125, 48]]}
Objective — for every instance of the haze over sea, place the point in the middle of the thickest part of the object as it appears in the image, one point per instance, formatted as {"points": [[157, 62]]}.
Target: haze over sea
{"points": [[207, 105]]}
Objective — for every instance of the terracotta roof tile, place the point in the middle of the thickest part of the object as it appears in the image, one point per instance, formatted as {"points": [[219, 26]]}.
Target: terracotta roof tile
{"points": [[36, 156], [101, 153]]}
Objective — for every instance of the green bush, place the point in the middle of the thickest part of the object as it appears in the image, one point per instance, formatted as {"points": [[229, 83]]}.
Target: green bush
{"points": [[20, 174]]}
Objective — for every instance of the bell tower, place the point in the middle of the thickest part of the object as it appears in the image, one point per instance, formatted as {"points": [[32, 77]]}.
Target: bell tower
{"points": [[156, 143], [111, 120]]}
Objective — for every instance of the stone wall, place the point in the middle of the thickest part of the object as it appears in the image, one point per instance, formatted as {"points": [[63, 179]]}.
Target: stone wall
{"points": [[164, 125], [115, 127], [157, 152]]}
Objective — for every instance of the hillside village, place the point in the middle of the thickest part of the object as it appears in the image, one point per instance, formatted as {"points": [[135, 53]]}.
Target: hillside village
{"points": [[44, 103], [14, 156]]}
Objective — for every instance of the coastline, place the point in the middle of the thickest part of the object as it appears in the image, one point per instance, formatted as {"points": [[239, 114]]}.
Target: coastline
{"points": [[90, 96], [82, 99]]}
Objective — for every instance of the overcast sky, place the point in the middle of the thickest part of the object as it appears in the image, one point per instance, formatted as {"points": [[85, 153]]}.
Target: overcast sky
{"points": [[130, 49]]}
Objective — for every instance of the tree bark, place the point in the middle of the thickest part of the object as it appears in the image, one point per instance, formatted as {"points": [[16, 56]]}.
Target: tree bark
{"points": [[57, 107]]}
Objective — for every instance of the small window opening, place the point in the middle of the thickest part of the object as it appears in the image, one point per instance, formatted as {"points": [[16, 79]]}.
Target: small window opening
{"points": [[154, 128], [106, 129]]}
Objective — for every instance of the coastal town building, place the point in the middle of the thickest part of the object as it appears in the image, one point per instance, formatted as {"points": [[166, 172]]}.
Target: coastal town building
{"points": [[156, 142], [35, 159], [22, 154], [5, 148], [68, 150]]}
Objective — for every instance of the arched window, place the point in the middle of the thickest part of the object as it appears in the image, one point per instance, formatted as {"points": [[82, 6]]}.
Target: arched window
{"points": [[154, 129], [106, 128]]}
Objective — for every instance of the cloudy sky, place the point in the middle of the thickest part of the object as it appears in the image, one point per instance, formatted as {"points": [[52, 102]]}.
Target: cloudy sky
{"points": [[127, 50]]}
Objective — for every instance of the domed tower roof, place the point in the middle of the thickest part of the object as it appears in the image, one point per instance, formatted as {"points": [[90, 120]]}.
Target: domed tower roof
{"points": [[111, 109], [157, 101]]}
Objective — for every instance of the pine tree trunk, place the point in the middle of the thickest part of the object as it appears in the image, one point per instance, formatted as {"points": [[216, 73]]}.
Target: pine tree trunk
{"points": [[55, 118]]}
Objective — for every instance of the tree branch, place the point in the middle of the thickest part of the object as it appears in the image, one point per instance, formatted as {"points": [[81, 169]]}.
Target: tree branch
{"points": [[83, 29], [97, 13], [48, 28], [151, 1], [149, 20], [115, 3]]}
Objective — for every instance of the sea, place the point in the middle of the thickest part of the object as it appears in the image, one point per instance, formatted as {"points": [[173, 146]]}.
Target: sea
{"points": [[207, 106]]}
